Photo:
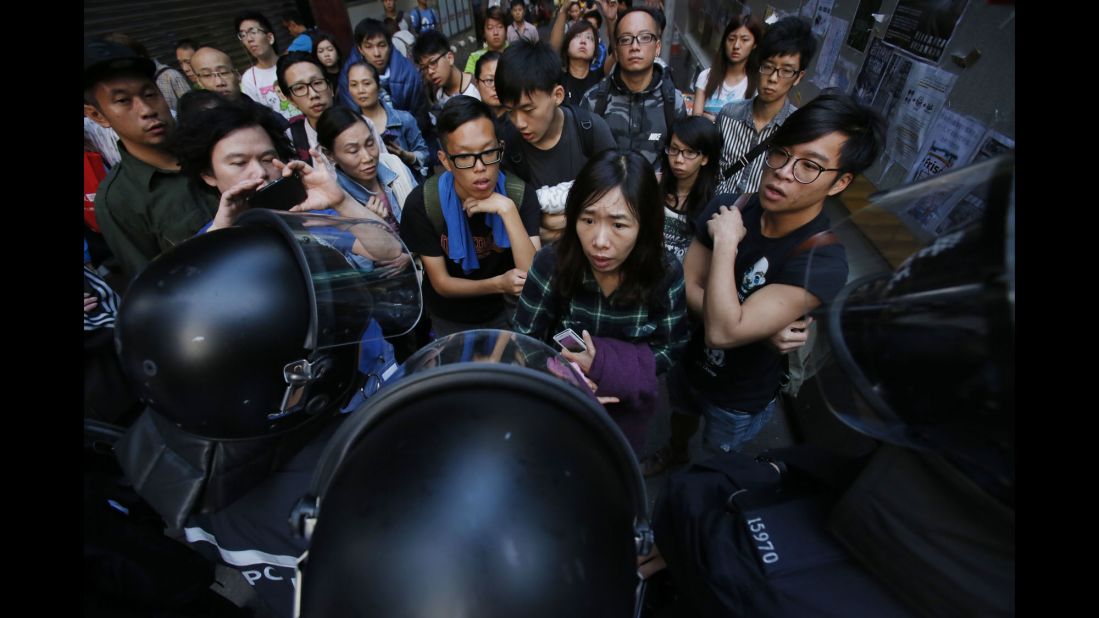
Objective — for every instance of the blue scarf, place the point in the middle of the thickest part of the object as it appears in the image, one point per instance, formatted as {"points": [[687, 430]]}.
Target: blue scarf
{"points": [[461, 250]]}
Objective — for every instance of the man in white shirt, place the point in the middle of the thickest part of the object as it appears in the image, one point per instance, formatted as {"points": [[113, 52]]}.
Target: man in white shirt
{"points": [[259, 82]]}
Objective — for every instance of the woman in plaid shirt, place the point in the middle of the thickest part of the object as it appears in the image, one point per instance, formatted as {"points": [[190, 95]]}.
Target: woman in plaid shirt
{"points": [[609, 279]]}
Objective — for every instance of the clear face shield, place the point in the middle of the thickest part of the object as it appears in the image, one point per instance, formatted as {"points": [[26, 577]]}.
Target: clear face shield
{"points": [[361, 283], [918, 348]]}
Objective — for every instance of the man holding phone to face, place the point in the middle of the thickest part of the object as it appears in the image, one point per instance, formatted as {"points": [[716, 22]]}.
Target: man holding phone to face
{"points": [[477, 241]]}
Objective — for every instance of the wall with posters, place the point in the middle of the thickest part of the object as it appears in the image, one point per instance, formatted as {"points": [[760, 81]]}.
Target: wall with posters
{"points": [[898, 56]]}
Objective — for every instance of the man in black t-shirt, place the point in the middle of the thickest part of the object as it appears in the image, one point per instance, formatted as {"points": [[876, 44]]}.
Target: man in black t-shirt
{"points": [[546, 144], [475, 241], [750, 272]]}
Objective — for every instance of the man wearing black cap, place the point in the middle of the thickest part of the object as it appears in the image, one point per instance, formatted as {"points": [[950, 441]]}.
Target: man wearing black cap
{"points": [[144, 206]]}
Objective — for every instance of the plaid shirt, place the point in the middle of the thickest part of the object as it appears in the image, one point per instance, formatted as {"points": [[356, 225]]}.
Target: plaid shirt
{"points": [[663, 326]]}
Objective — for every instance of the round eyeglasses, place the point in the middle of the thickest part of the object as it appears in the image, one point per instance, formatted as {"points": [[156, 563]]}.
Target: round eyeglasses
{"points": [[805, 171]]}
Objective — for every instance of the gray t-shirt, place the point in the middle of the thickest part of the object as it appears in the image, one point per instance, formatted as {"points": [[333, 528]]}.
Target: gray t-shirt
{"points": [[553, 171]]}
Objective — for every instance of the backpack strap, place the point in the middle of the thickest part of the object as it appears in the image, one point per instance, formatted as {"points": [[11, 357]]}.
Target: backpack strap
{"points": [[667, 91], [602, 96], [745, 159], [513, 152], [816, 241], [515, 188], [433, 206], [584, 128]]}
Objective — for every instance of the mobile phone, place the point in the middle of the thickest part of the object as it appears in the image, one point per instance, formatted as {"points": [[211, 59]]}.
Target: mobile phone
{"points": [[283, 194], [570, 341]]}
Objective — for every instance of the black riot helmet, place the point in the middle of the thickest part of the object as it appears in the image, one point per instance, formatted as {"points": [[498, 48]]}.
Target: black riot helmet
{"points": [[487, 481], [249, 331], [925, 353]]}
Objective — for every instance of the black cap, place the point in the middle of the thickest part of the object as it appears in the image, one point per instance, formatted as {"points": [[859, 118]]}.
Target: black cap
{"points": [[102, 58]]}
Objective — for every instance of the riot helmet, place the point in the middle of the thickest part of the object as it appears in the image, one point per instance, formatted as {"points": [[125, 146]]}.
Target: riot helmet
{"points": [[251, 330], [486, 481]]}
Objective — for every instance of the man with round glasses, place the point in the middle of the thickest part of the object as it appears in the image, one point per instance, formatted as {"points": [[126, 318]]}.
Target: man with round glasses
{"points": [[257, 36], [748, 276], [476, 240], [214, 71], [786, 49], [301, 79]]}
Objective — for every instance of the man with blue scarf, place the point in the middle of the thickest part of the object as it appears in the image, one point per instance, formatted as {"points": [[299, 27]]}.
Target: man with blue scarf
{"points": [[476, 241]]}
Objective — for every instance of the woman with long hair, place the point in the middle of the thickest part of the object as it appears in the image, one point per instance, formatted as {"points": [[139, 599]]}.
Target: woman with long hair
{"points": [[399, 131], [691, 161], [329, 55], [376, 179], [735, 71], [609, 280], [577, 53]]}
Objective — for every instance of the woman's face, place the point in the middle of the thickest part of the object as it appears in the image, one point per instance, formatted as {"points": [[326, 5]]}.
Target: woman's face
{"points": [[681, 166], [356, 153], [574, 11], [582, 46], [488, 91], [608, 232], [326, 53], [739, 44], [363, 88], [244, 154]]}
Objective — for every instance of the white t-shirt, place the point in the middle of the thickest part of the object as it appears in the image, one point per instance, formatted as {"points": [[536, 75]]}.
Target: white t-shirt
{"points": [[261, 85], [471, 90], [724, 93]]}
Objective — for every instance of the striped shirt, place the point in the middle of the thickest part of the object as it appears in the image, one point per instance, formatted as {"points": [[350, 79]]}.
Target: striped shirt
{"points": [[738, 136], [661, 325], [103, 316], [102, 140]]}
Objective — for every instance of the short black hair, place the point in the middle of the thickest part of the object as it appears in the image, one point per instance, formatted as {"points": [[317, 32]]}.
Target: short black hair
{"points": [[196, 101], [658, 18], [514, 3], [789, 36], [333, 121], [495, 13], [458, 111], [258, 17], [292, 15], [128, 41], [429, 43], [524, 68], [369, 28], [188, 44], [834, 111], [488, 56], [596, 14], [289, 60], [200, 131]]}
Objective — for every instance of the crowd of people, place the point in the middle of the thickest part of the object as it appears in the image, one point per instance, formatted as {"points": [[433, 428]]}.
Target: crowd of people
{"points": [[547, 185]]}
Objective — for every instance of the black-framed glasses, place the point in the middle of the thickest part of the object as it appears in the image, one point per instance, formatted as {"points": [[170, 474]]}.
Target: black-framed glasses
{"points": [[784, 72], [645, 38], [431, 64], [318, 85], [223, 74], [244, 34], [687, 153], [805, 171], [464, 161]]}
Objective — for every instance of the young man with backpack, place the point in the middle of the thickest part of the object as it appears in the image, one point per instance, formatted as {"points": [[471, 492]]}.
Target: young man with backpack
{"points": [[475, 228], [546, 143], [637, 99], [422, 19]]}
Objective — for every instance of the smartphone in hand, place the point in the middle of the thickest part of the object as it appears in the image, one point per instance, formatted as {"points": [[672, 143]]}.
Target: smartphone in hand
{"points": [[570, 341], [283, 194]]}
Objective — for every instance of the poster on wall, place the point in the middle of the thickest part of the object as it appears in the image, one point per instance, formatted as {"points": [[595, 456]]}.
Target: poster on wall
{"points": [[952, 141], [863, 24], [873, 69], [923, 27], [822, 17], [911, 109], [829, 52]]}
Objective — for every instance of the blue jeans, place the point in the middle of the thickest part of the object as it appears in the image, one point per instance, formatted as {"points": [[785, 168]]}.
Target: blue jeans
{"points": [[726, 430]]}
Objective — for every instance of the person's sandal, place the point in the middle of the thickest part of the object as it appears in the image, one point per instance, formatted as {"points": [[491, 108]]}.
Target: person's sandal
{"points": [[663, 458]]}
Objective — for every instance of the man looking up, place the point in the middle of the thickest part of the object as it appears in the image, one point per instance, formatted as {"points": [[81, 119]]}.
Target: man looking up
{"points": [[786, 49], [399, 76], [144, 206], [260, 82], [476, 242], [546, 144], [748, 274], [301, 78], [496, 40], [638, 101], [215, 71]]}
